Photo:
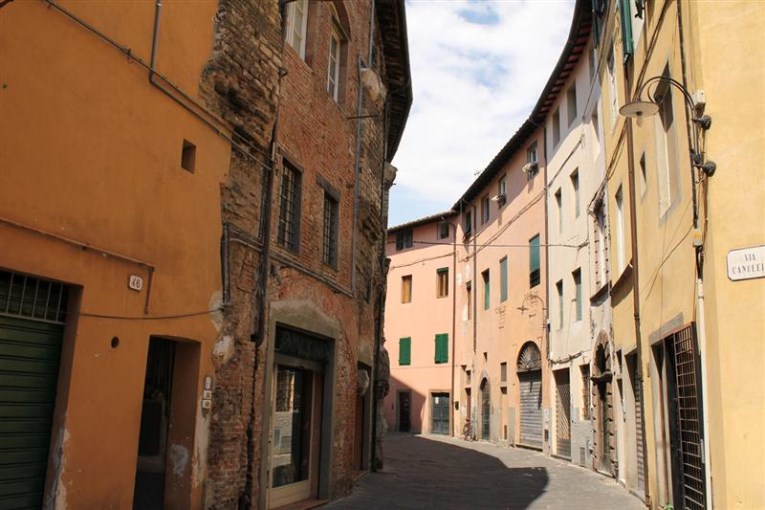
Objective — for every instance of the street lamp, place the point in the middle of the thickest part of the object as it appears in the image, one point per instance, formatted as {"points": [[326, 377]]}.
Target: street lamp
{"points": [[640, 108]]}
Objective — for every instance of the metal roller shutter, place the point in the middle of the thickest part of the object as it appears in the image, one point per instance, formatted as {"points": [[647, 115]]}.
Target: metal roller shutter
{"points": [[29, 360], [531, 408], [563, 413]]}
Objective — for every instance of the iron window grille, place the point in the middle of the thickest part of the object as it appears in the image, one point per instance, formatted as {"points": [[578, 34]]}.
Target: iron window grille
{"points": [[329, 241], [32, 298], [289, 211]]}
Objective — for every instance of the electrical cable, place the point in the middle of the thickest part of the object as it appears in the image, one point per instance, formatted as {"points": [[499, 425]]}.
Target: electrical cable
{"points": [[150, 318]]}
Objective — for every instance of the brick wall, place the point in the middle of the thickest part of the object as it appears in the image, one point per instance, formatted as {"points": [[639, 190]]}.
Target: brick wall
{"points": [[242, 83]]}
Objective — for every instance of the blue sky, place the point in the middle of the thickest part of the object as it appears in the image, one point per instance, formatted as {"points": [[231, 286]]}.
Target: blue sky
{"points": [[478, 67]]}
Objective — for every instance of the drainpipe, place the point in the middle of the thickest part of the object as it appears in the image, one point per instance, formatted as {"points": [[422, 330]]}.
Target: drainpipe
{"points": [[357, 174], [454, 317], [636, 288], [700, 309]]}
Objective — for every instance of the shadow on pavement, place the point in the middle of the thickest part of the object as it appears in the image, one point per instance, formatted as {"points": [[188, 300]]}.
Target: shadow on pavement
{"points": [[422, 473]]}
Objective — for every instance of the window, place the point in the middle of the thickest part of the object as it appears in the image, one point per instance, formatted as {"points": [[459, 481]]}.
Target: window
{"points": [[442, 282], [559, 203], [666, 148], [532, 161], [406, 289], [534, 273], [333, 71], [559, 288], [571, 103], [612, 92], [297, 25], [586, 392], [404, 239], [591, 61], [468, 223], [531, 153], [620, 248], [486, 290], [484, 210], [643, 182], [503, 279], [502, 191], [188, 156], [503, 372], [575, 188], [577, 276], [405, 351], [442, 348], [469, 299], [289, 209], [443, 230], [556, 127], [626, 21], [329, 240]]}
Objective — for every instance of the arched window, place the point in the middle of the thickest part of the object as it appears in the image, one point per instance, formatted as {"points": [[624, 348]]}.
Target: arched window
{"points": [[529, 358]]}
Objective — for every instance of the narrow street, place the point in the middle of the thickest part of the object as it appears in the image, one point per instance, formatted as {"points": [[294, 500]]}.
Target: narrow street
{"points": [[446, 473]]}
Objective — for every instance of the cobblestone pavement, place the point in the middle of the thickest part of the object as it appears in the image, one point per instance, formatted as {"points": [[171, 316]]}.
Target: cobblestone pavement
{"points": [[447, 473]]}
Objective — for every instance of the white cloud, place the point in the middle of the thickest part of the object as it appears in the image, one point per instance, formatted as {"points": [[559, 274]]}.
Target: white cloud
{"points": [[478, 67]]}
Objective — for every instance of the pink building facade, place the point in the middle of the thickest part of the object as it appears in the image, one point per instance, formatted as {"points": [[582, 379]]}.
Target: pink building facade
{"points": [[419, 328]]}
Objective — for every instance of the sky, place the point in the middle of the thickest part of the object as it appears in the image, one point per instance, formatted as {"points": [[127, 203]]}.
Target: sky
{"points": [[478, 67]]}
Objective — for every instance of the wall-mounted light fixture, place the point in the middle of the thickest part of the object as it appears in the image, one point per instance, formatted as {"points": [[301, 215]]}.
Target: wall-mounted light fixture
{"points": [[649, 106]]}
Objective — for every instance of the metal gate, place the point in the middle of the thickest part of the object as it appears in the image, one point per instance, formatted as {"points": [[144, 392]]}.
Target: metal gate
{"points": [[563, 413], [485, 411], [440, 410], [32, 314], [637, 392], [688, 417], [531, 408]]}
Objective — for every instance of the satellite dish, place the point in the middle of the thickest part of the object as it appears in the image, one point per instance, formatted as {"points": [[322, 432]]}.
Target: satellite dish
{"points": [[638, 109]]}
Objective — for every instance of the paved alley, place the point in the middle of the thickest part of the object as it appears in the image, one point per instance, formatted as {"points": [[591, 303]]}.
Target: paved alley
{"points": [[446, 473]]}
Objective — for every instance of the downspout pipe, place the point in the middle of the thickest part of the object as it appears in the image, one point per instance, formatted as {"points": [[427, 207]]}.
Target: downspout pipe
{"points": [[454, 319], [636, 288], [357, 174], [700, 308]]}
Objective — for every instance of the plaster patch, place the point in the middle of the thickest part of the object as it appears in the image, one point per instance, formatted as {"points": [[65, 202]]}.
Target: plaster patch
{"points": [[57, 496], [179, 456], [216, 317], [223, 350]]}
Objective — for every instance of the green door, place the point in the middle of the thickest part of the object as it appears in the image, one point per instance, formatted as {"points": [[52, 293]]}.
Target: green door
{"points": [[29, 361]]}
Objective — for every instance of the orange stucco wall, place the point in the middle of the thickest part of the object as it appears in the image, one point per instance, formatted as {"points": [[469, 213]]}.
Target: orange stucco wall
{"points": [[90, 152]]}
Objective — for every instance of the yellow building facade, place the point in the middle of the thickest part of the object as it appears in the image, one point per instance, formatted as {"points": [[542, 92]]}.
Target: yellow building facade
{"points": [[686, 241]]}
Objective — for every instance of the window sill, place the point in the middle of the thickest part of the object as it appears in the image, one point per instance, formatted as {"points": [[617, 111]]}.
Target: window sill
{"points": [[623, 278], [599, 294]]}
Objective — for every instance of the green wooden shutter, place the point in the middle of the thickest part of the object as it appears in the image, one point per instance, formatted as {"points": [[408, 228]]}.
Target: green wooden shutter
{"points": [[626, 18], [442, 348], [405, 351], [503, 279], [534, 276], [486, 290]]}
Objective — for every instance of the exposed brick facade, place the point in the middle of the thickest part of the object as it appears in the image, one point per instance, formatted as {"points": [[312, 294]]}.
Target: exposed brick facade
{"points": [[278, 104]]}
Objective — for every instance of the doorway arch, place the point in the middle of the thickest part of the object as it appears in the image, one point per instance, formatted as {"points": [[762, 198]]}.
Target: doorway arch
{"points": [[603, 423], [529, 369]]}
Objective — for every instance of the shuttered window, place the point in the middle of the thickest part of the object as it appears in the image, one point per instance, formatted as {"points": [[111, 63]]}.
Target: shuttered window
{"points": [[503, 279], [534, 274], [486, 290], [405, 351], [442, 348], [626, 19]]}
